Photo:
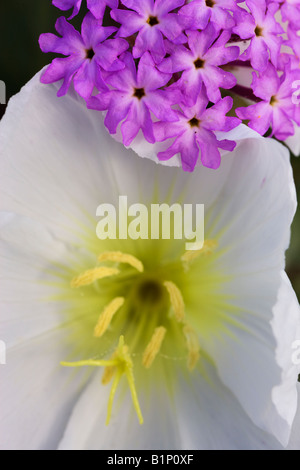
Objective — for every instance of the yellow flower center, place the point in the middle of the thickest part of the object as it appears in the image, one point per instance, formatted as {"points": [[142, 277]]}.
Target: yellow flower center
{"points": [[144, 308]]}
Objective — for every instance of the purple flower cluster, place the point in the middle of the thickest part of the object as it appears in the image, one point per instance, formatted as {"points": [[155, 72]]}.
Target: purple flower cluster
{"points": [[162, 67]]}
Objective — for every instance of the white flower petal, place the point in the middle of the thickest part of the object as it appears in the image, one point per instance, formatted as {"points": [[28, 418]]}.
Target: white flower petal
{"points": [[286, 327], [86, 429], [224, 423], [255, 220], [35, 392], [36, 395], [202, 416], [294, 443], [27, 254], [47, 145]]}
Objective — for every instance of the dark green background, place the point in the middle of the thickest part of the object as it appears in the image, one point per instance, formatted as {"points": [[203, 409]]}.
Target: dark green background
{"points": [[21, 23]]}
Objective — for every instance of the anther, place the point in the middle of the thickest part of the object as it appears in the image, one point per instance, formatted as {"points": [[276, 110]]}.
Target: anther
{"points": [[92, 275], [193, 347], [154, 346], [207, 249], [176, 300], [107, 316], [119, 257]]}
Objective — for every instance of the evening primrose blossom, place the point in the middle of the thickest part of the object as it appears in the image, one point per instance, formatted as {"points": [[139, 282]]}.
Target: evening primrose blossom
{"points": [[173, 349]]}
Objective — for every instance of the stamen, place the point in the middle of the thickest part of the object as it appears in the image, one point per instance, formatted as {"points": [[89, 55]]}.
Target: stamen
{"points": [[119, 257], [131, 383], [107, 316], [207, 249], [176, 300], [121, 364], [112, 395], [126, 366], [92, 363], [154, 346], [92, 275], [193, 347]]}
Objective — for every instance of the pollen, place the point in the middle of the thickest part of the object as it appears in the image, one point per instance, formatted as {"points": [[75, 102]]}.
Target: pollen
{"points": [[154, 346], [193, 347], [121, 364], [207, 249], [273, 100], [176, 300], [107, 316], [119, 257], [259, 31], [92, 275]]}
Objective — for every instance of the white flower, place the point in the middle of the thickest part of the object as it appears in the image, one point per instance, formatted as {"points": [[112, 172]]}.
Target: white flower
{"points": [[240, 313], [294, 443]]}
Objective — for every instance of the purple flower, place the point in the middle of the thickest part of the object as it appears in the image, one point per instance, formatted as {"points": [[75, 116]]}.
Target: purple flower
{"points": [[97, 7], [290, 10], [200, 64], [67, 5], [152, 21], [293, 40], [194, 133], [262, 29], [135, 95], [86, 55], [163, 54], [196, 15], [276, 108]]}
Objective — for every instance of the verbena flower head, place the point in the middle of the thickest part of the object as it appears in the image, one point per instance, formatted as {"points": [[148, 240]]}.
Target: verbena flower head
{"points": [[194, 344], [197, 48]]}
